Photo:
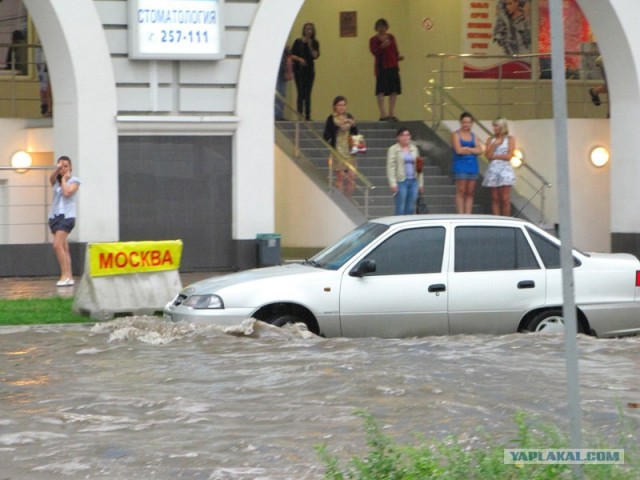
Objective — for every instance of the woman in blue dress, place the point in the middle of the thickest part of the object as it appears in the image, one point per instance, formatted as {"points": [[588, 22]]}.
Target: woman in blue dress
{"points": [[465, 163]]}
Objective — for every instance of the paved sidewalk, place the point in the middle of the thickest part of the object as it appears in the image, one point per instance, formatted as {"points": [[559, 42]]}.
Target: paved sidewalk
{"points": [[12, 288]]}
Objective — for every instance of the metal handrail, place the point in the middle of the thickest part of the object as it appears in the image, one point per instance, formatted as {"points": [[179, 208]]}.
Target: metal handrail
{"points": [[514, 56], [15, 100], [484, 128], [544, 183], [531, 98], [45, 203], [333, 155]]}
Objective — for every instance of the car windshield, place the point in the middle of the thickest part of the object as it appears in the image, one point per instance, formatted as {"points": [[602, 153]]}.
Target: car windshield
{"points": [[334, 256]]}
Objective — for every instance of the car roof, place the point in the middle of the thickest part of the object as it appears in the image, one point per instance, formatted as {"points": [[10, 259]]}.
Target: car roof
{"points": [[447, 218]]}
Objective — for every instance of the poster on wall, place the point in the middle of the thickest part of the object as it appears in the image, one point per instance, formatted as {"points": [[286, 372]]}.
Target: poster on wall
{"points": [[13, 34], [494, 30], [176, 29], [582, 51]]}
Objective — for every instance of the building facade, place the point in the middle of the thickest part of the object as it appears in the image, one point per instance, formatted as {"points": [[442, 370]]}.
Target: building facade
{"points": [[185, 148]]}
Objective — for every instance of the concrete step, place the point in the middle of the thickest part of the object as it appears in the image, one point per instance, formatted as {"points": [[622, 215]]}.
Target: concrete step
{"points": [[373, 144], [387, 199], [378, 176], [433, 184], [439, 187], [379, 169]]}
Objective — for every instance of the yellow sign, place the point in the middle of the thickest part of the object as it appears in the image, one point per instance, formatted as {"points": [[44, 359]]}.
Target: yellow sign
{"points": [[119, 258]]}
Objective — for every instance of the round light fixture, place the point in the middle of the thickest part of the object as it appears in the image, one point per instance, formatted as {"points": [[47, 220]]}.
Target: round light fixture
{"points": [[21, 161], [599, 157], [518, 158]]}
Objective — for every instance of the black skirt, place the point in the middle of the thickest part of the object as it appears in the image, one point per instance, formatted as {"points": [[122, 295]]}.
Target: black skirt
{"points": [[388, 82]]}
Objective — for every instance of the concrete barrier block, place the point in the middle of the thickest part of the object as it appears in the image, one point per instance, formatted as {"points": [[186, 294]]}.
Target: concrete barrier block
{"points": [[103, 298]]}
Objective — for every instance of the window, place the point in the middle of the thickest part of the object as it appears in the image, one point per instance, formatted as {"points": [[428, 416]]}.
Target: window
{"points": [[14, 38], [482, 249], [548, 250], [334, 256], [417, 250]]}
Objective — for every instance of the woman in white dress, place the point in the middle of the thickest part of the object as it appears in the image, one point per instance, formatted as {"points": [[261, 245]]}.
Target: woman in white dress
{"points": [[500, 176]]}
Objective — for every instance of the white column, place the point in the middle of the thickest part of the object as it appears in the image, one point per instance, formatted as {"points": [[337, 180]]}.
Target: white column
{"points": [[84, 110], [253, 180], [615, 24]]}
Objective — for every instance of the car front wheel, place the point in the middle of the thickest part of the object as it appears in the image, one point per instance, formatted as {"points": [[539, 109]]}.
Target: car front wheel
{"points": [[548, 321], [282, 320], [281, 315]]}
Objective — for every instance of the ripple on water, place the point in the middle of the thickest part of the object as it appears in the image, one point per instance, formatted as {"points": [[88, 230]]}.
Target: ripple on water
{"points": [[138, 397]]}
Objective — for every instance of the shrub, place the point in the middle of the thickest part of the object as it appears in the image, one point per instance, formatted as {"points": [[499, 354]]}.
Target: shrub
{"points": [[452, 460]]}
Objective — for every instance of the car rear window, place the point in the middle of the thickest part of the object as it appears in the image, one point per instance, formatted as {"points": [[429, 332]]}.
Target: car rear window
{"points": [[549, 251], [482, 249]]}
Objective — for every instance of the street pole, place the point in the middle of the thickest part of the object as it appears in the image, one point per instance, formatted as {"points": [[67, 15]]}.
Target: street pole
{"points": [[564, 214]]}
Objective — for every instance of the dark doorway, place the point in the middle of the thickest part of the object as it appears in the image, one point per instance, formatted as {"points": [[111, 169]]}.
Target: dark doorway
{"points": [[179, 188]]}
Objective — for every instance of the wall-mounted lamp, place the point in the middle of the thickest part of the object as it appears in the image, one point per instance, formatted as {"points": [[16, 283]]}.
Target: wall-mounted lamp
{"points": [[599, 156], [21, 161], [518, 158]]}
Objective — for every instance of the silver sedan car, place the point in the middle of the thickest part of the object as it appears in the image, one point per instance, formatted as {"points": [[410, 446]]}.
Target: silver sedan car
{"points": [[427, 275]]}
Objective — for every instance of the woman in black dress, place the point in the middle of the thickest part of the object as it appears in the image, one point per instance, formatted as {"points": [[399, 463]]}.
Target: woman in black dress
{"points": [[304, 52]]}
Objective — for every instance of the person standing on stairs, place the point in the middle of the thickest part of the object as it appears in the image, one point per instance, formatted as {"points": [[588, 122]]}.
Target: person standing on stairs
{"points": [[466, 149], [339, 127], [285, 74], [500, 176], [384, 48], [402, 173], [304, 53]]}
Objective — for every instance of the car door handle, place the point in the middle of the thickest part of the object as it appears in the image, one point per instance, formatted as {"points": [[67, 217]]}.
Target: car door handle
{"points": [[526, 284], [437, 287]]}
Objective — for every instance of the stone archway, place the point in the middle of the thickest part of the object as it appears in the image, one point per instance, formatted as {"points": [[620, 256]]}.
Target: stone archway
{"points": [[255, 134], [85, 108], [254, 137], [619, 41]]}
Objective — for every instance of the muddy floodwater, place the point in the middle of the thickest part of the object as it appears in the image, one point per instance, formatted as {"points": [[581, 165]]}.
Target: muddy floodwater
{"points": [[138, 398]]}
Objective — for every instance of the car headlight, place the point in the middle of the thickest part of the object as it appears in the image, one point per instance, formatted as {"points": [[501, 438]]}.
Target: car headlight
{"points": [[204, 301]]}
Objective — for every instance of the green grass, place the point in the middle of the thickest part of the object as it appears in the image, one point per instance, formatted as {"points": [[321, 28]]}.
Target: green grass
{"points": [[450, 459], [32, 311]]}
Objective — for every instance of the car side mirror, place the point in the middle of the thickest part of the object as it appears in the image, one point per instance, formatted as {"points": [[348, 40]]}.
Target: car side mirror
{"points": [[365, 267]]}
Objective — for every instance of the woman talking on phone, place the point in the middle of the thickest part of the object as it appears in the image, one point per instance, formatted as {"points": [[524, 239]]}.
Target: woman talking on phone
{"points": [[304, 53], [62, 217]]}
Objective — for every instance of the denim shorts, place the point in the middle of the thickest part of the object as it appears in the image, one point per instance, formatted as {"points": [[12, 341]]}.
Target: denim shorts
{"points": [[59, 222], [465, 176]]}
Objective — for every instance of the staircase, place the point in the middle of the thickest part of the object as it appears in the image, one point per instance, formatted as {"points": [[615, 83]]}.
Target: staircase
{"points": [[438, 186]]}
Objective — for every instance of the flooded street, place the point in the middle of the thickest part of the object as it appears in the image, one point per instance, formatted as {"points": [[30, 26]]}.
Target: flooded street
{"points": [[138, 398]]}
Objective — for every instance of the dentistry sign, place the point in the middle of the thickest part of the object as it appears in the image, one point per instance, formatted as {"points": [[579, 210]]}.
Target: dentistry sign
{"points": [[176, 29]]}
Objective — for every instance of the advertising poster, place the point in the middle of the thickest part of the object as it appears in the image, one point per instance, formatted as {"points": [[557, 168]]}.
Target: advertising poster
{"points": [[577, 41], [495, 29]]}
